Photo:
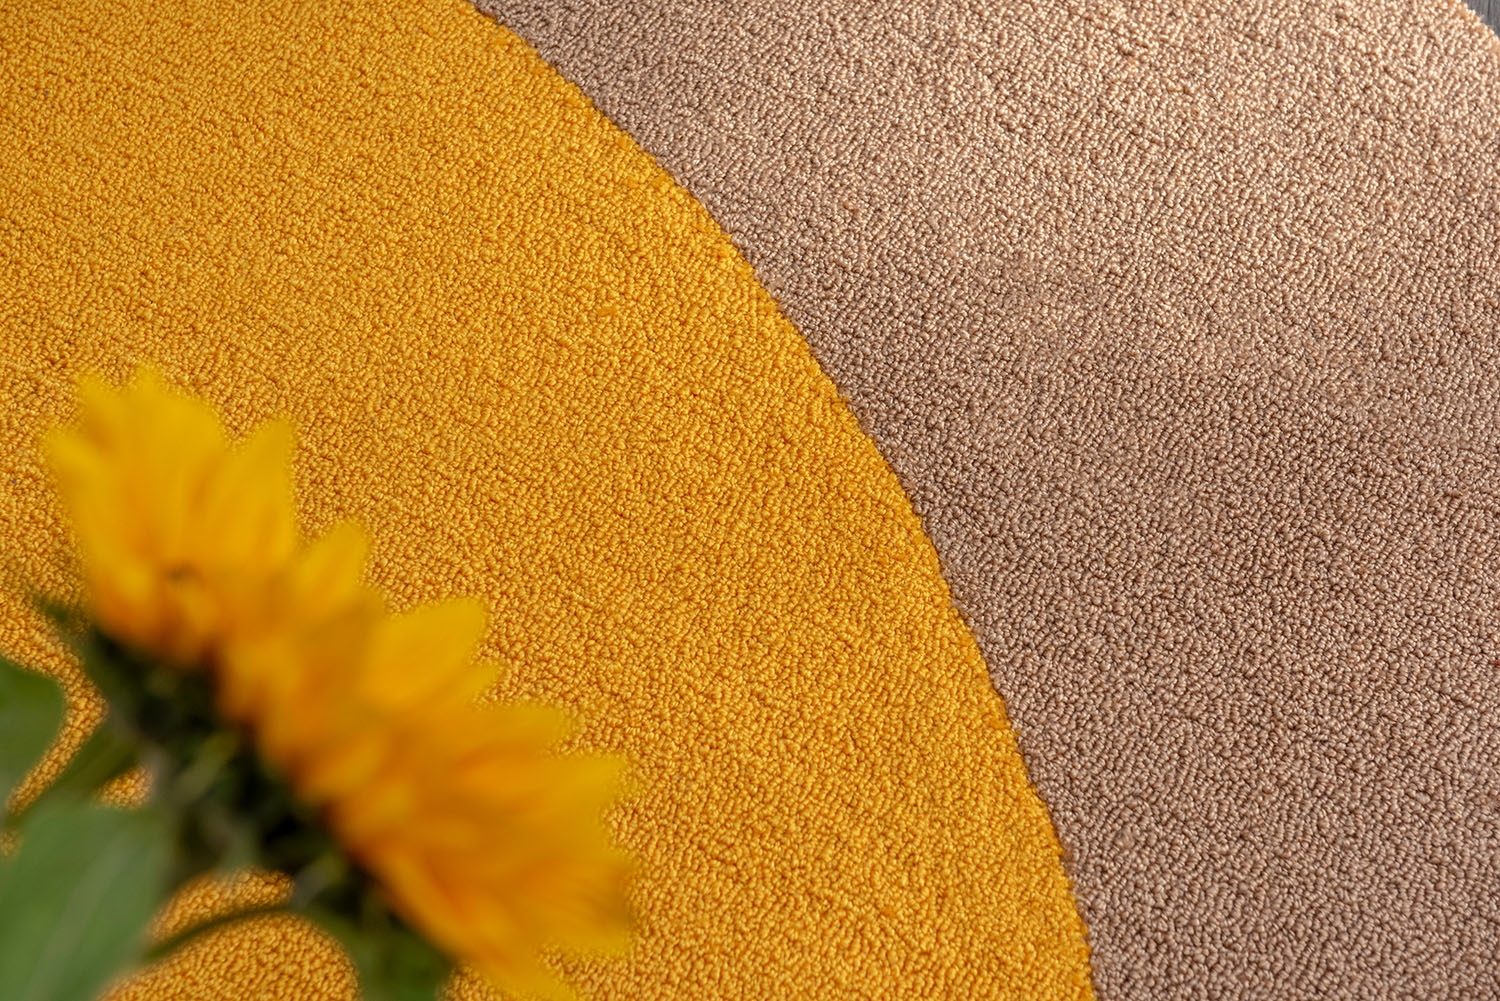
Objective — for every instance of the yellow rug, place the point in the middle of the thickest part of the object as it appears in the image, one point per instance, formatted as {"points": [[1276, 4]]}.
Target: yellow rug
{"points": [[540, 374]]}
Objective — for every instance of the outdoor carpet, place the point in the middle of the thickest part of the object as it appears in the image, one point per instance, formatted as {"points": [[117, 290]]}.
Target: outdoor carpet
{"points": [[1019, 480]]}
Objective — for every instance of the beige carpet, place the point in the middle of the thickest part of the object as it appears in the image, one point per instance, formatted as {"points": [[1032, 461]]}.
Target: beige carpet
{"points": [[1180, 324]]}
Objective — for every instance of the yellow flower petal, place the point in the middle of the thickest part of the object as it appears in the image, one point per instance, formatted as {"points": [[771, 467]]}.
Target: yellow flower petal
{"points": [[179, 534], [484, 837], [427, 655]]}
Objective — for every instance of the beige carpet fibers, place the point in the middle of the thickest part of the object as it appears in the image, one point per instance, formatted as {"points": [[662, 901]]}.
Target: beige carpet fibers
{"points": [[1180, 323]]}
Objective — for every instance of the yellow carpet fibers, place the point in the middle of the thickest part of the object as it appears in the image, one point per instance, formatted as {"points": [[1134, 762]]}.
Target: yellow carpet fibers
{"points": [[542, 375]]}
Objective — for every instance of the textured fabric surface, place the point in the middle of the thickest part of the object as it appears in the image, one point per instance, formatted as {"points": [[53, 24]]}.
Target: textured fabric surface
{"points": [[1179, 324], [540, 374]]}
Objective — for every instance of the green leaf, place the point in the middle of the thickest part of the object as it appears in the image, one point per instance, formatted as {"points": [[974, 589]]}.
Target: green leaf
{"points": [[413, 971], [104, 757], [31, 711], [76, 898]]}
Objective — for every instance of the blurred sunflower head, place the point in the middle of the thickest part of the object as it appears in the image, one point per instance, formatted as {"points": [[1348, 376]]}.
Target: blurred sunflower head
{"points": [[490, 844], [479, 834], [179, 535]]}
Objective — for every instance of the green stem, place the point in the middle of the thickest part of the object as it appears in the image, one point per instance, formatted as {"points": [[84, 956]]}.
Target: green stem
{"points": [[161, 950]]}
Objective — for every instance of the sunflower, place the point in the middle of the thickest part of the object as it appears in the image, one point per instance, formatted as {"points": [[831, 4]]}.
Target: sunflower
{"points": [[476, 832], [178, 534], [482, 840]]}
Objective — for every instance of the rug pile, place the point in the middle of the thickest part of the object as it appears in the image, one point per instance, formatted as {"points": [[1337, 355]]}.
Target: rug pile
{"points": [[1021, 482]]}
